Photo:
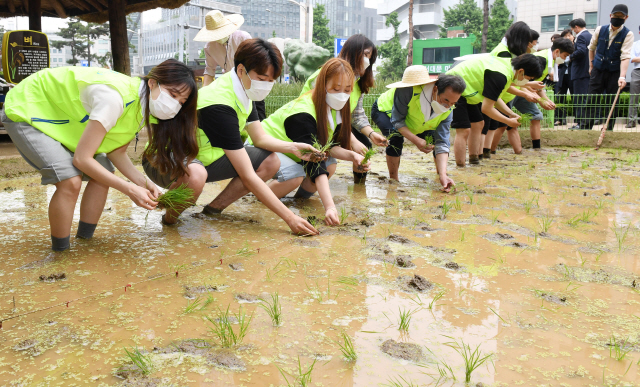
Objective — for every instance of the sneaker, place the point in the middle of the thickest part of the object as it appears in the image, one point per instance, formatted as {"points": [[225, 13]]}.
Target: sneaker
{"points": [[631, 125], [493, 152], [474, 159]]}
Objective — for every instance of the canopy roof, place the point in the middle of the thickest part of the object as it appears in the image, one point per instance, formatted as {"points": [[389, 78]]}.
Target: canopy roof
{"points": [[95, 11]]}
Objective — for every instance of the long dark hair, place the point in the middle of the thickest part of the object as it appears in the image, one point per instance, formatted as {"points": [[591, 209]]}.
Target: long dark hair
{"points": [[176, 136], [353, 52], [518, 37], [335, 67]]}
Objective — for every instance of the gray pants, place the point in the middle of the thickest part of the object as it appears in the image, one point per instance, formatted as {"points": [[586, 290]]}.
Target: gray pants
{"points": [[633, 95]]}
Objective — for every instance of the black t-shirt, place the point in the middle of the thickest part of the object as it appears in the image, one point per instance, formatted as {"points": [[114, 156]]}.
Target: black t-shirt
{"points": [[494, 83], [220, 124], [302, 127]]}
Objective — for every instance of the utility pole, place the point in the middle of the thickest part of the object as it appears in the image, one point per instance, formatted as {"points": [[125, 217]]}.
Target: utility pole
{"points": [[410, 53], [485, 24]]}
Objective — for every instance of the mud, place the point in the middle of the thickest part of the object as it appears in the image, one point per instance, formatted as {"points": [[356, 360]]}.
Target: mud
{"points": [[53, 277], [416, 283], [404, 351]]}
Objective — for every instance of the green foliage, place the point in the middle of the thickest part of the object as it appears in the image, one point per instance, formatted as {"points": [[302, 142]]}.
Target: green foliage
{"points": [[140, 360], [177, 199], [472, 358], [347, 348], [395, 57], [321, 34], [499, 23], [273, 309], [222, 327], [466, 14]]}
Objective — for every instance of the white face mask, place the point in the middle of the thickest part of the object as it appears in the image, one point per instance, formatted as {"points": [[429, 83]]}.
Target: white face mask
{"points": [[165, 107], [518, 82], [337, 100], [365, 63], [559, 60], [223, 40], [534, 48], [258, 90], [437, 107]]}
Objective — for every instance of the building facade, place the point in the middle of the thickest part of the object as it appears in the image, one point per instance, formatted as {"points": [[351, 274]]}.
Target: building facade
{"points": [[552, 17], [437, 54], [350, 17]]}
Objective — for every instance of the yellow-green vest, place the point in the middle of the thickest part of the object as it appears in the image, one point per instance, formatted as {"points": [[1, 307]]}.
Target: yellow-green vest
{"points": [[49, 100], [501, 47], [415, 120], [355, 91], [274, 124], [220, 92], [472, 71], [545, 54]]}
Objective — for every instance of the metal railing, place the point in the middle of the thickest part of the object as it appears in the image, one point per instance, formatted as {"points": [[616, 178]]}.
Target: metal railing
{"points": [[588, 111]]}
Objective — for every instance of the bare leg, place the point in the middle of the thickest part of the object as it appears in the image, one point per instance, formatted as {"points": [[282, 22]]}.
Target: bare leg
{"points": [[236, 189], [475, 135], [196, 181], [308, 186], [93, 200], [534, 130], [483, 139], [488, 140], [393, 164], [282, 189], [497, 136], [62, 204], [514, 139], [460, 146]]}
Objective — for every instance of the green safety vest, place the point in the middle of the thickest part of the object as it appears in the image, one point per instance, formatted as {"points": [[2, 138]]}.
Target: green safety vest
{"points": [[49, 100], [415, 120], [220, 92], [545, 54], [274, 124], [355, 92], [472, 71], [501, 47]]}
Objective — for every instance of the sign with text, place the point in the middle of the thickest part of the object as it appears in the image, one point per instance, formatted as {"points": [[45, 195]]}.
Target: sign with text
{"points": [[24, 52], [339, 42], [438, 68]]}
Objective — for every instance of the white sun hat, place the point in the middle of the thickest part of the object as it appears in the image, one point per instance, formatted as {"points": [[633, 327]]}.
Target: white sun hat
{"points": [[218, 26], [413, 76]]}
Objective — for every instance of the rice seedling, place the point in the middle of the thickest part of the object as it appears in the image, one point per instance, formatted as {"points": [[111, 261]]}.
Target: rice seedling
{"points": [[470, 195], [462, 232], [494, 218], [347, 281], [346, 347], [600, 204], [446, 207], [545, 223], [617, 348], [473, 359], [313, 220], [322, 149], [193, 306], [363, 240], [273, 309], [571, 287], [496, 313], [525, 119], [404, 318], [222, 327], [621, 234], [585, 164], [176, 199], [245, 251], [528, 204], [457, 204], [549, 159], [368, 155], [435, 299], [140, 360], [303, 379], [399, 381], [343, 214], [614, 166]]}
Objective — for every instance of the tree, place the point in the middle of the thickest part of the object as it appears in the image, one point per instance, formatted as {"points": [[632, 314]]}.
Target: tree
{"points": [[500, 23], [94, 31], [274, 34], [485, 24], [410, 45], [466, 14], [395, 57], [74, 38], [321, 34]]}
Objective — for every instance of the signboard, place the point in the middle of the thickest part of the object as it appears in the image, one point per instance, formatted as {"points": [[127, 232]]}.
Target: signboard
{"points": [[438, 68], [24, 52], [84, 63], [339, 42]]}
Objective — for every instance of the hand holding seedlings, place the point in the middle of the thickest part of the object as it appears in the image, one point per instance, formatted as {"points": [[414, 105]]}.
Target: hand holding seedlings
{"points": [[359, 164], [425, 145], [321, 150], [447, 183], [367, 156], [176, 199], [306, 152], [378, 139], [331, 217]]}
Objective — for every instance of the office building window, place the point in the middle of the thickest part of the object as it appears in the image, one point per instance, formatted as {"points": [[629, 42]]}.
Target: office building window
{"points": [[548, 24], [591, 18], [439, 55], [563, 21]]}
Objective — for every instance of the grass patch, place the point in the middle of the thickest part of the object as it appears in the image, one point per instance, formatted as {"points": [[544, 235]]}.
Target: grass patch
{"points": [[222, 327]]}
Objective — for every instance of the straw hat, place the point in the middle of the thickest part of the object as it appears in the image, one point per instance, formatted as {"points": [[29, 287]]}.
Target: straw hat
{"points": [[217, 26], [413, 76]]}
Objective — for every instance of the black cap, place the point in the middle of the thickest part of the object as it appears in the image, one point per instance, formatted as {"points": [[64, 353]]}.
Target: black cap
{"points": [[621, 8]]}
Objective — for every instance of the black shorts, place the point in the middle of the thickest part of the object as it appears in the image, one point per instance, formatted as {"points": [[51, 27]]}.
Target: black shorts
{"points": [[464, 114]]}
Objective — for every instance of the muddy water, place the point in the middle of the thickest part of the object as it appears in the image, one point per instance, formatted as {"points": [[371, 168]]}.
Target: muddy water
{"points": [[534, 263]]}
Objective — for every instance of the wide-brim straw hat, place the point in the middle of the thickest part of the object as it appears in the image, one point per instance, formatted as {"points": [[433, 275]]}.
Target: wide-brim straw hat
{"points": [[413, 76], [218, 26]]}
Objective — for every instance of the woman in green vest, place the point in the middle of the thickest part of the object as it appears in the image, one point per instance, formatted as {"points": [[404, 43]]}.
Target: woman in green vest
{"points": [[486, 77], [225, 107], [418, 108], [323, 114], [75, 123], [361, 54], [559, 51]]}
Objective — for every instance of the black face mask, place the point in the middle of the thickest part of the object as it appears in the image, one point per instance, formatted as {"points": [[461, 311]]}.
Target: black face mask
{"points": [[617, 21]]}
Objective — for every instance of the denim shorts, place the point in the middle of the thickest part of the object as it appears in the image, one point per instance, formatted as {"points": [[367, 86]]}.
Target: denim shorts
{"points": [[290, 169], [526, 107], [47, 155]]}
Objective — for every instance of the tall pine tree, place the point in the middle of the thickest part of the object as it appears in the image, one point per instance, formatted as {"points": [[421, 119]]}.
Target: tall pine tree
{"points": [[395, 57], [466, 14], [321, 34], [73, 36], [499, 22]]}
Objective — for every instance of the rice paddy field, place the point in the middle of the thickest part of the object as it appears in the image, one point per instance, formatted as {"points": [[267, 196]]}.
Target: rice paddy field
{"points": [[527, 275]]}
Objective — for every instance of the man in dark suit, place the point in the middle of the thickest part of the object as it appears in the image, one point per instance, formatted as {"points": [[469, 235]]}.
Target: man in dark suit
{"points": [[563, 83], [579, 69]]}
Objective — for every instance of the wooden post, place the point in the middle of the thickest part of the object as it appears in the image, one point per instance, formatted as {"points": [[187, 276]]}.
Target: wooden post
{"points": [[35, 15], [119, 42]]}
